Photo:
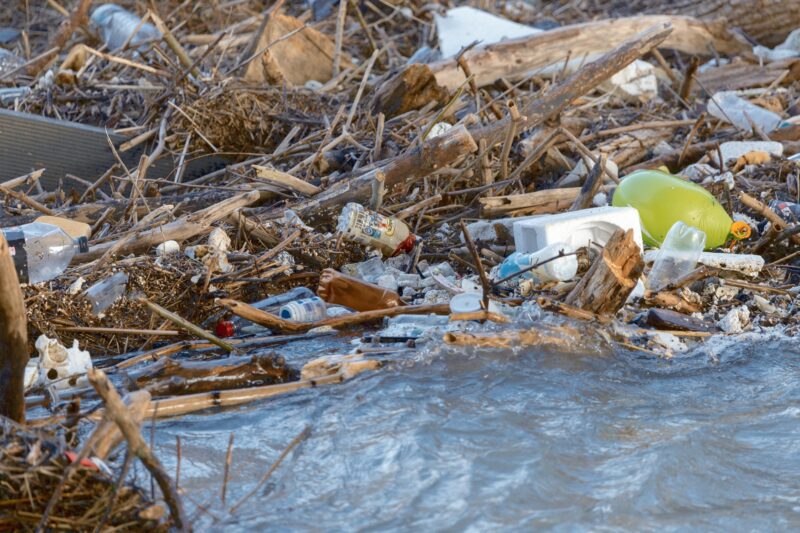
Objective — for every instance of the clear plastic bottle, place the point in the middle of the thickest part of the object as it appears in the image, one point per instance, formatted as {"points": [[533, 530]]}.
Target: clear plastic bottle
{"points": [[104, 293], [561, 269], [270, 305], [677, 257], [41, 251], [9, 62], [389, 235], [733, 109], [115, 24], [306, 310]]}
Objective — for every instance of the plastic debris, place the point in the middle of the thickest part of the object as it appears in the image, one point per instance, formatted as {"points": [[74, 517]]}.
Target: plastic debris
{"points": [[731, 108], [387, 234], [461, 26], [103, 294], [56, 362], [677, 256], [118, 26], [735, 320]]}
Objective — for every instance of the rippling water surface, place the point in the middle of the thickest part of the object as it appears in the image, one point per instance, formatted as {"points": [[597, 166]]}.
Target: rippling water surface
{"points": [[482, 440]]}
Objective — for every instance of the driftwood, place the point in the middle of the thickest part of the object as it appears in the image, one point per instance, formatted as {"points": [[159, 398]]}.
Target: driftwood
{"points": [[612, 277], [106, 435], [413, 88], [170, 376], [519, 57], [181, 229], [768, 21], [534, 203], [418, 162], [13, 338], [275, 323], [666, 319], [137, 446]]}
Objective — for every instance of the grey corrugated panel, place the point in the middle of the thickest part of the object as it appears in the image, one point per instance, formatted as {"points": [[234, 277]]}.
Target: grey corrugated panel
{"points": [[29, 142]]}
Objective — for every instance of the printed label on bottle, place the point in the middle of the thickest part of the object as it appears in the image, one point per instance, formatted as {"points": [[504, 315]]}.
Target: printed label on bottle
{"points": [[16, 247]]}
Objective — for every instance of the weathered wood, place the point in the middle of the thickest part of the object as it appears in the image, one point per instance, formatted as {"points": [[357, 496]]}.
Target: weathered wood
{"points": [[768, 21], [412, 89], [286, 181], [169, 376], [674, 321], [555, 100], [418, 162], [186, 227], [13, 338], [612, 277], [136, 445], [106, 435], [275, 323], [590, 186], [541, 202], [519, 57]]}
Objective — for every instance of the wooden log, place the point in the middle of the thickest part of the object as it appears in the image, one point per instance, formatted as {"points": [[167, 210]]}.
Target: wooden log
{"points": [[612, 277], [413, 88], [768, 21], [416, 163], [275, 323], [13, 338], [541, 202], [666, 319], [186, 227], [106, 435], [555, 100], [285, 181], [169, 376], [136, 445], [517, 58]]}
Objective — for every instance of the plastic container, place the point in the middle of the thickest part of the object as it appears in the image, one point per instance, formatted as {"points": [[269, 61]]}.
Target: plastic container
{"points": [[305, 310], [103, 294], [340, 289], [471, 302], [561, 269], [788, 211], [41, 251], [663, 199], [733, 109], [576, 228], [115, 24], [389, 235], [677, 257]]}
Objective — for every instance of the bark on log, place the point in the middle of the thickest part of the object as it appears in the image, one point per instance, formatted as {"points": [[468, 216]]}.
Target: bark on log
{"points": [[418, 162], [13, 339], [554, 101], [767, 21], [611, 278], [519, 57], [413, 88], [136, 445], [181, 229], [541, 202], [169, 376]]}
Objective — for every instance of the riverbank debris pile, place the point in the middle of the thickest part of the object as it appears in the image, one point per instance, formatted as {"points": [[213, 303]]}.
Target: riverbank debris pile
{"points": [[190, 189]]}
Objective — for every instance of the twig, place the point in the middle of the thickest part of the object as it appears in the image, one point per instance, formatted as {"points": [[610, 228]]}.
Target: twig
{"points": [[228, 457], [337, 45], [188, 326], [510, 136], [487, 286], [292, 445]]}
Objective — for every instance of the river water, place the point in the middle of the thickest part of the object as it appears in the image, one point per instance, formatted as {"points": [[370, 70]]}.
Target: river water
{"points": [[462, 439]]}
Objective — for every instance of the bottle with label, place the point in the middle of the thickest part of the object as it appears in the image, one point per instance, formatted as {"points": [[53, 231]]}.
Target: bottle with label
{"points": [[41, 252], [307, 310], [677, 257], [272, 305], [389, 235], [340, 289]]}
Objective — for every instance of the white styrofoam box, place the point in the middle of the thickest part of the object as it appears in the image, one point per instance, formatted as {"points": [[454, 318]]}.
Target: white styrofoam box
{"points": [[577, 228]]}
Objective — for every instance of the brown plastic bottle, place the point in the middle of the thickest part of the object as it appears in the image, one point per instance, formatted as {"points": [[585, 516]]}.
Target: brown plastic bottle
{"points": [[340, 289]]}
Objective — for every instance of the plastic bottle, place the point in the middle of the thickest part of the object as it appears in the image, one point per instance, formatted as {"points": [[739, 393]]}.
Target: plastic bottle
{"points": [[306, 310], [389, 235], [788, 211], [270, 305], [340, 289], [115, 24], [104, 293], [41, 251], [677, 257], [730, 107], [561, 269], [663, 199], [9, 62]]}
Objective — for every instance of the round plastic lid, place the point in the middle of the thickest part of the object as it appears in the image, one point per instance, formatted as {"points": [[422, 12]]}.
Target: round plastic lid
{"points": [[467, 302]]}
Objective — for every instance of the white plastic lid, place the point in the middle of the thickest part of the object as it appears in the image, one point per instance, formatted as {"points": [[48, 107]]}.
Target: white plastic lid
{"points": [[467, 302]]}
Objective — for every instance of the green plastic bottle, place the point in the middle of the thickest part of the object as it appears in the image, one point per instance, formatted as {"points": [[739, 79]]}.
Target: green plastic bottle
{"points": [[663, 199]]}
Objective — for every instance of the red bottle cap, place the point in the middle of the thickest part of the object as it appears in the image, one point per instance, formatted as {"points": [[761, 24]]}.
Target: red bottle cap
{"points": [[224, 329]]}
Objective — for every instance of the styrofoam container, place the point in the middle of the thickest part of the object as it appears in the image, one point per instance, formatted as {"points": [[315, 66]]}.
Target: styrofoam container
{"points": [[576, 228]]}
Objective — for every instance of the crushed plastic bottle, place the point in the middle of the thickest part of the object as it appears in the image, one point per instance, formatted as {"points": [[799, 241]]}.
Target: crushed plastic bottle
{"points": [[561, 269], [103, 294], [677, 257], [733, 109], [41, 251], [115, 25], [337, 288], [306, 310], [389, 235]]}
